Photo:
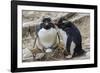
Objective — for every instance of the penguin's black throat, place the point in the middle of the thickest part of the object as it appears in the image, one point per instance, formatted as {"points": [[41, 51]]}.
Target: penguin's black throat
{"points": [[47, 26]]}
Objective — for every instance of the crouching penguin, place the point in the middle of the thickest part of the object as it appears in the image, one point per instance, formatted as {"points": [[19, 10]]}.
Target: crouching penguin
{"points": [[46, 35]]}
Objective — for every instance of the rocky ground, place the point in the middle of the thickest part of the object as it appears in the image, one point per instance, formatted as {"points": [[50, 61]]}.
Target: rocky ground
{"points": [[33, 18]]}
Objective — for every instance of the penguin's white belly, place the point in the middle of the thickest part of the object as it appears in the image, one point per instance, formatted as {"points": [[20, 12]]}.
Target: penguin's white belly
{"points": [[47, 37], [63, 37]]}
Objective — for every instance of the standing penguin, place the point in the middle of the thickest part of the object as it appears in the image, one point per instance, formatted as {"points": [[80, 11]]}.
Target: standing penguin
{"points": [[47, 35], [71, 37]]}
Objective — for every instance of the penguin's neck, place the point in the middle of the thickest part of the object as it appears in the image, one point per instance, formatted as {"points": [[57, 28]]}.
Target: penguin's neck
{"points": [[47, 27], [48, 30]]}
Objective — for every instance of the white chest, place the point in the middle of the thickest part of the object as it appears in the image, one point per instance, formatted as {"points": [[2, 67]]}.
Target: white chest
{"points": [[63, 37], [47, 37]]}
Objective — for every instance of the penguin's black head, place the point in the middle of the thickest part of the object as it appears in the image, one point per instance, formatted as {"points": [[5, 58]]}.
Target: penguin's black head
{"points": [[62, 20], [63, 23], [47, 23]]}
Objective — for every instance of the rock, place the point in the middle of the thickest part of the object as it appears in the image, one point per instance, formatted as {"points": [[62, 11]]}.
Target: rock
{"points": [[39, 56], [27, 55]]}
